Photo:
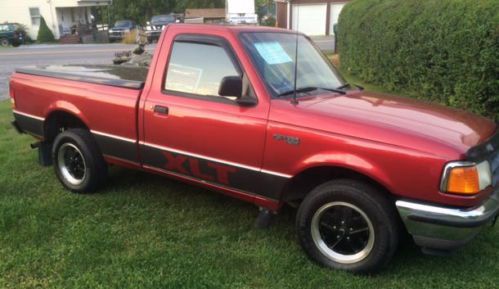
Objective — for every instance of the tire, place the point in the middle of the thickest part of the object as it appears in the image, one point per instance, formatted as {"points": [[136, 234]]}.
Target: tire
{"points": [[348, 225], [4, 42], [78, 162]]}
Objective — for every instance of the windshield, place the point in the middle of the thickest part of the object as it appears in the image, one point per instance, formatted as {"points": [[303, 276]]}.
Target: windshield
{"points": [[163, 18], [274, 56], [122, 24]]}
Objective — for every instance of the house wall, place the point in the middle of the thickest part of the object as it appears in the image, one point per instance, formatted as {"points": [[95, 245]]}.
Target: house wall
{"points": [[18, 11], [284, 12]]}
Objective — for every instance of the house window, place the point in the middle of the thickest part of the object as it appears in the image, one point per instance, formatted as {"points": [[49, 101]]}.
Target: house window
{"points": [[34, 12]]}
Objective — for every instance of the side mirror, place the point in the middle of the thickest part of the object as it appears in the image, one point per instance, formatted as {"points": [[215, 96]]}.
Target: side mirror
{"points": [[246, 101], [148, 23], [231, 86]]}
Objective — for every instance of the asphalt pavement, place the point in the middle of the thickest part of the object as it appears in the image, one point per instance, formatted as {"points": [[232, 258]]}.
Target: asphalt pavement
{"points": [[12, 58]]}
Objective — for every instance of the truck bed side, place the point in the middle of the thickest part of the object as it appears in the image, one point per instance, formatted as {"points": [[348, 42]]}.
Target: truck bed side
{"points": [[109, 112]]}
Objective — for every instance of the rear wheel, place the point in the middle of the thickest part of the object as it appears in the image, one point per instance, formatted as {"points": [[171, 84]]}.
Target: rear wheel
{"points": [[78, 163], [348, 225], [4, 42]]}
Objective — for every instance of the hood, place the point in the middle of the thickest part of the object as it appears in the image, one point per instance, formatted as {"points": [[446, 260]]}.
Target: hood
{"points": [[399, 121], [161, 23]]}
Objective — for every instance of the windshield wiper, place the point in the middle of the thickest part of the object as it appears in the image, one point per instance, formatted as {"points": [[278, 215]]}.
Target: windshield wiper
{"points": [[310, 88]]}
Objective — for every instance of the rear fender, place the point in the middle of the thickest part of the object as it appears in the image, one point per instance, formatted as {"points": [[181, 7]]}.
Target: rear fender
{"points": [[64, 106]]}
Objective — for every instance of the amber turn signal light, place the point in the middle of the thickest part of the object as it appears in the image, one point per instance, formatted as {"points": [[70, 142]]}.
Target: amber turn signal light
{"points": [[463, 180]]}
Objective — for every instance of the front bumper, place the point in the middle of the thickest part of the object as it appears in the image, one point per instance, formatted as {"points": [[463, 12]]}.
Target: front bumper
{"points": [[443, 228], [116, 35]]}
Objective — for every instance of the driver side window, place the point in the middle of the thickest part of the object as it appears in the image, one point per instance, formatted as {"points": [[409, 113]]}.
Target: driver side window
{"points": [[198, 68]]}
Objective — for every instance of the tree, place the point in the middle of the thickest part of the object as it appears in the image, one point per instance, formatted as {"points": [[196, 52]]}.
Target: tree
{"points": [[142, 10], [44, 33]]}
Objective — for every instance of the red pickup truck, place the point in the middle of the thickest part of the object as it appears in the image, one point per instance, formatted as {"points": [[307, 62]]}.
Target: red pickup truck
{"points": [[259, 114]]}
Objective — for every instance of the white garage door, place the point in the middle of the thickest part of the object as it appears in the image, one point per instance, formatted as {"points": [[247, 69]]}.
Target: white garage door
{"points": [[310, 19], [334, 15]]}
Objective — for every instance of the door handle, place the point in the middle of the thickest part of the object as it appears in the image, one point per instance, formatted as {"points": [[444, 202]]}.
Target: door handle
{"points": [[159, 109]]}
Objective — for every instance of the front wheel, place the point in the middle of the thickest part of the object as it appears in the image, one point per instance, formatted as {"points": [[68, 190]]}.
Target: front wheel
{"points": [[348, 225], [4, 42], [78, 163]]}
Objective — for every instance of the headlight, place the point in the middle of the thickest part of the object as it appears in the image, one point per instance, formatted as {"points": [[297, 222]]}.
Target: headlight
{"points": [[466, 178]]}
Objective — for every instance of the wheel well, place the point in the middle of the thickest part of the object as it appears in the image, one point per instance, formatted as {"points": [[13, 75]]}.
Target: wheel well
{"points": [[300, 185], [59, 121]]}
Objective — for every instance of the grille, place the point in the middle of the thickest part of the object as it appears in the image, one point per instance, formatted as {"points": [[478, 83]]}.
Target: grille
{"points": [[488, 150], [494, 166]]}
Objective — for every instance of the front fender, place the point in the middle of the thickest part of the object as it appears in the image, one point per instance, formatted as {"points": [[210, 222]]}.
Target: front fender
{"points": [[356, 163]]}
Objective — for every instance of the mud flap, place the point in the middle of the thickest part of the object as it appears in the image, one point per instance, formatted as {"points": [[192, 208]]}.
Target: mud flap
{"points": [[44, 153]]}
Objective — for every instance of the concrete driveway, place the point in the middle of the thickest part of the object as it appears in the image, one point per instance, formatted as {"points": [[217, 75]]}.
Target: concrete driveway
{"points": [[11, 58]]}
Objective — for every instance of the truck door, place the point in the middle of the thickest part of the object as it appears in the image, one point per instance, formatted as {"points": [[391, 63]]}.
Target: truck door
{"points": [[192, 131]]}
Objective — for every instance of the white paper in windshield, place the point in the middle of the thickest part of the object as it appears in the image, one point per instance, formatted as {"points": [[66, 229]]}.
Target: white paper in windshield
{"points": [[272, 52]]}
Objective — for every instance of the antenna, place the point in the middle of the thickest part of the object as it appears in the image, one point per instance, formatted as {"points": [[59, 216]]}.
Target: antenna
{"points": [[294, 101]]}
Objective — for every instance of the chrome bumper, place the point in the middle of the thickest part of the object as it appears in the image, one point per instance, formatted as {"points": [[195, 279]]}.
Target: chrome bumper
{"points": [[442, 228]]}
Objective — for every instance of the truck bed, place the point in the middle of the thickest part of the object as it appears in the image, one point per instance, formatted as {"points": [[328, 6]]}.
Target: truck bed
{"points": [[132, 77]]}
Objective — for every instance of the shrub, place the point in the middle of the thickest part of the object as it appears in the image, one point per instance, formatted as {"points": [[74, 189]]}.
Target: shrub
{"points": [[44, 33], [445, 50]]}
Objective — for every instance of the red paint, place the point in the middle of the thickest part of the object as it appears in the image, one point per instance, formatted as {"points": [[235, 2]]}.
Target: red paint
{"points": [[401, 143]]}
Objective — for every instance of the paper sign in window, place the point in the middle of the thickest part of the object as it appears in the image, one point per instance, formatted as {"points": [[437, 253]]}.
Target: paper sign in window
{"points": [[272, 52], [183, 78]]}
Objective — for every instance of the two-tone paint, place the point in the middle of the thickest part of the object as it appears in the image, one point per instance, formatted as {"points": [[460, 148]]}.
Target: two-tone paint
{"points": [[253, 152]]}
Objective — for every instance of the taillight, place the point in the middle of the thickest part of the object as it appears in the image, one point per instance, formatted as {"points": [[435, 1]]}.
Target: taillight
{"points": [[12, 97]]}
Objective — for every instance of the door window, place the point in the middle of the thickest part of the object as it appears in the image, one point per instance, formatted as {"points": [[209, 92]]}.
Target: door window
{"points": [[198, 68]]}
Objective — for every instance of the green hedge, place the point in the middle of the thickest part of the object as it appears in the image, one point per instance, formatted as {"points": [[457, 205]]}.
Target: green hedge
{"points": [[45, 35], [441, 50]]}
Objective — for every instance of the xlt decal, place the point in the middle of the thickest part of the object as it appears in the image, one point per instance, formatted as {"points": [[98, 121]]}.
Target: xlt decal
{"points": [[240, 178], [292, 140], [191, 166]]}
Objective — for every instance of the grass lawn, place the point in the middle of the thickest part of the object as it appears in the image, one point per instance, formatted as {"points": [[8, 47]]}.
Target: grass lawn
{"points": [[146, 231]]}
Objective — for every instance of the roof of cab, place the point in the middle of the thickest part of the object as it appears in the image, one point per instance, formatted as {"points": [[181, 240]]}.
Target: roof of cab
{"points": [[231, 27]]}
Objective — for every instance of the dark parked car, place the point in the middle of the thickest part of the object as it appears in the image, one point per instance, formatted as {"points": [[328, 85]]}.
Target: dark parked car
{"points": [[120, 29], [11, 34], [155, 26]]}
